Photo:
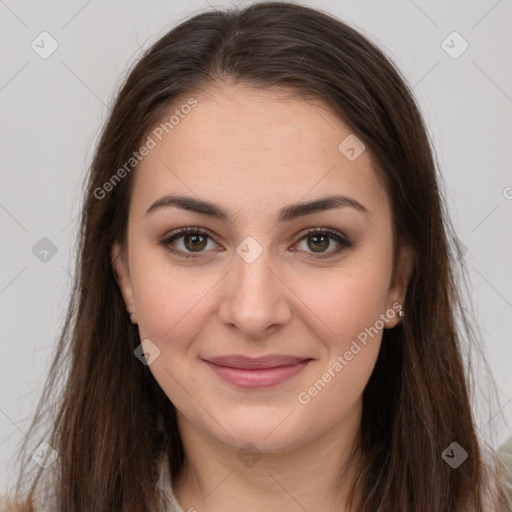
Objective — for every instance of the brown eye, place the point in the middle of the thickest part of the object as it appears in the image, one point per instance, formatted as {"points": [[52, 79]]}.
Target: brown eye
{"points": [[194, 242], [320, 242]]}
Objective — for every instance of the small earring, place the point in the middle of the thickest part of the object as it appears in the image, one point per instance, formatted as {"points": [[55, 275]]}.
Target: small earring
{"points": [[131, 313], [401, 314]]}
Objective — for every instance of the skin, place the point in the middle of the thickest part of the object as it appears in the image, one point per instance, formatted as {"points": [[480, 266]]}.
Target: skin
{"points": [[253, 152]]}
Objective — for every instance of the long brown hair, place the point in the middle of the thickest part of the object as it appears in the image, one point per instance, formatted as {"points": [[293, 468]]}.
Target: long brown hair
{"points": [[112, 422]]}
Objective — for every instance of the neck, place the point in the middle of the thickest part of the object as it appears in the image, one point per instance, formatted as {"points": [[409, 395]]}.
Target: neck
{"points": [[316, 475]]}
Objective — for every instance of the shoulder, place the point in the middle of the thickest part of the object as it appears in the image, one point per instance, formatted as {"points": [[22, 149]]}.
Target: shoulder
{"points": [[7, 504], [11, 504]]}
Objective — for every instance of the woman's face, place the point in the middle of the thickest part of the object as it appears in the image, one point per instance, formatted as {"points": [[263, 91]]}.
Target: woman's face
{"points": [[256, 283]]}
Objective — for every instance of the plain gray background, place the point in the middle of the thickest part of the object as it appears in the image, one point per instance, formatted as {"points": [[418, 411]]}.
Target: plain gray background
{"points": [[51, 111]]}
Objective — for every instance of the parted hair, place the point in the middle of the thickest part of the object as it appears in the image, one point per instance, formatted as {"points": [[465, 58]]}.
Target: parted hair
{"points": [[111, 424]]}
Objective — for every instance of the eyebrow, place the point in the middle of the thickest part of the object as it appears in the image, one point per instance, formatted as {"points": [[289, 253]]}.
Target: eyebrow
{"points": [[286, 214]]}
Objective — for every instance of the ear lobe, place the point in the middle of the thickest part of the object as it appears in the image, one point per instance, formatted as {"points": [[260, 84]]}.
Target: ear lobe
{"points": [[398, 289], [122, 273]]}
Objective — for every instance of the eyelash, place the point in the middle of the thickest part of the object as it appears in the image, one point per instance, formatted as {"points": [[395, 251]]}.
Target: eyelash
{"points": [[333, 234]]}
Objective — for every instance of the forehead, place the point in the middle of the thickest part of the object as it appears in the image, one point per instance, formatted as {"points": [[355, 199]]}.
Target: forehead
{"points": [[252, 148]]}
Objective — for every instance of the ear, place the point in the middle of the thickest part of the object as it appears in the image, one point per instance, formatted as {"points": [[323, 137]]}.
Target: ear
{"points": [[122, 273], [398, 288]]}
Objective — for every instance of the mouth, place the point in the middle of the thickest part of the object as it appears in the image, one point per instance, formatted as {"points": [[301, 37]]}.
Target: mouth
{"points": [[254, 373]]}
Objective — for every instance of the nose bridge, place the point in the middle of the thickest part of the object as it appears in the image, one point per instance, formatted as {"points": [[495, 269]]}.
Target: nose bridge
{"points": [[255, 298]]}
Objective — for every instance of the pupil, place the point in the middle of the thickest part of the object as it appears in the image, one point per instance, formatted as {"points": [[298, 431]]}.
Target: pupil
{"points": [[325, 239], [195, 239]]}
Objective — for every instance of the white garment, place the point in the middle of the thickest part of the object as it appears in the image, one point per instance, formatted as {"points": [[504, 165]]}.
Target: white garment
{"points": [[169, 501]]}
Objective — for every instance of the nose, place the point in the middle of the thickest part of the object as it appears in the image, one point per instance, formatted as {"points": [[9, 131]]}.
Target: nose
{"points": [[255, 299]]}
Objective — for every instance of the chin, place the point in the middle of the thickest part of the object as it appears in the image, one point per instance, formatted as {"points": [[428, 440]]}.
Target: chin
{"points": [[250, 434]]}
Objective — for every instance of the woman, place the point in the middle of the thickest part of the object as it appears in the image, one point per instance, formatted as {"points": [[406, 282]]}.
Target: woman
{"points": [[265, 313]]}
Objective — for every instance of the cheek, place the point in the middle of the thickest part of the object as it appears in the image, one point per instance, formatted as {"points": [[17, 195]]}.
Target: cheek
{"points": [[348, 301], [171, 307], [174, 301], [349, 304], [171, 300], [351, 332]]}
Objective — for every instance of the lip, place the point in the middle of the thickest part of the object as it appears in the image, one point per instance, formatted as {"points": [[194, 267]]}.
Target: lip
{"points": [[261, 372]]}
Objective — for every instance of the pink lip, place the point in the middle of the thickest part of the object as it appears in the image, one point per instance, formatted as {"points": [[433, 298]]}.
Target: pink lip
{"points": [[252, 373]]}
